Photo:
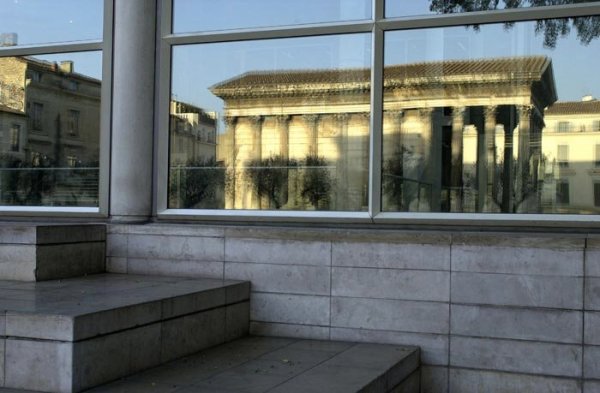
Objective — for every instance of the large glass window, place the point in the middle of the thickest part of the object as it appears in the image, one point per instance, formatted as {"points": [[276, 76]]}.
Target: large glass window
{"points": [[484, 120], [44, 124], [272, 124], [207, 15], [28, 22]]}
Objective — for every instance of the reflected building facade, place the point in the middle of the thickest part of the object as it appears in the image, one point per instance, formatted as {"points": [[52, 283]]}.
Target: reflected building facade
{"points": [[458, 136], [49, 124]]}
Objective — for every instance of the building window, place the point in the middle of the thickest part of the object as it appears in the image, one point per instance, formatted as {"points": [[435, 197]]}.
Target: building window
{"points": [[597, 194], [73, 122], [37, 113], [563, 156], [562, 192], [564, 126], [15, 137], [597, 156], [596, 126]]}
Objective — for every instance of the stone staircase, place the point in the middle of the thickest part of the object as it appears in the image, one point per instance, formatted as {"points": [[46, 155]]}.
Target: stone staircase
{"points": [[66, 326]]}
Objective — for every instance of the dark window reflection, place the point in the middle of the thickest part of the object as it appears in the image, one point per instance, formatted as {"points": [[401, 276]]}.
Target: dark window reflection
{"points": [[49, 130]]}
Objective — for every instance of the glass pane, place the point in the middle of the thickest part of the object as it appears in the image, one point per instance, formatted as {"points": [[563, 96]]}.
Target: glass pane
{"points": [[50, 129], [494, 119], [273, 124], [208, 15], [423, 7], [27, 22]]}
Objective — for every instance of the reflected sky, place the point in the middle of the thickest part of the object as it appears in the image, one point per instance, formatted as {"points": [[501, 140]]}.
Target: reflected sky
{"points": [[208, 15], [44, 21]]}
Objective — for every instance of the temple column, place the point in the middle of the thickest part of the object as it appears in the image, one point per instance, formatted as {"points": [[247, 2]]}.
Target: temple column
{"points": [[508, 170], [343, 161], [490, 186], [430, 163], [256, 123], [523, 175], [312, 129], [230, 156], [283, 126], [132, 136], [456, 172]]}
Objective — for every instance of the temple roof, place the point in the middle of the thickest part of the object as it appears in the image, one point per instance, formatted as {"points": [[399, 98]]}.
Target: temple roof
{"points": [[530, 69], [574, 108]]}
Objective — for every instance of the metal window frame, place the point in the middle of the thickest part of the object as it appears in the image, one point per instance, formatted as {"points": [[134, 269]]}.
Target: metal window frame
{"points": [[103, 45], [377, 26]]}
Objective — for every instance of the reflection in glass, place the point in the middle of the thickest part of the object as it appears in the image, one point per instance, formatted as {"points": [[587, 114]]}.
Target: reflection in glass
{"points": [[490, 120], [274, 124], [209, 15], [49, 130], [40, 22]]}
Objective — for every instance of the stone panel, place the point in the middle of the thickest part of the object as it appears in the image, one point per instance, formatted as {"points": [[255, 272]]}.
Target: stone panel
{"points": [[289, 330], [310, 280], [275, 251], [116, 265], [591, 362], [517, 260], [237, 319], [517, 290], [396, 315], [517, 323], [290, 309], [591, 387], [516, 356], [592, 328], [58, 261], [175, 267], [592, 262], [592, 293], [116, 245], [434, 379], [176, 247], [389, 255], [434, 347], [475, 381], [38, 365], [391, 284]]}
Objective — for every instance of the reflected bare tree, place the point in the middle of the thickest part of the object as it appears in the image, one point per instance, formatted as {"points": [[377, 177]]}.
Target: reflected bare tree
{"points": [[587, 27]]}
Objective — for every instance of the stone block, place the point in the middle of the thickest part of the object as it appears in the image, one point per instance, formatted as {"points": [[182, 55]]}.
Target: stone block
{"points": [[516, 356], [289, 309], [517, 260], [591, 386], [395, 315], [517, 323], [592, 262], [275, 251], [591, 362], [412, 384], [192, 333], [517, 290], [34, 325], [309, 280], [592, 328], [170, 229], [238, 292], [144, 347], [434, 379], [391, 284], [175, 267], [59, 261], [476, 381], [176, 247], [2, 324], [193, 302], [17, 233], [38, 365], [289, 330], [70, 233], [592, 293], [116, 265], [237, 320], [434, 347], [2, 352], [390, 255], [116, 245], [512, 239]]}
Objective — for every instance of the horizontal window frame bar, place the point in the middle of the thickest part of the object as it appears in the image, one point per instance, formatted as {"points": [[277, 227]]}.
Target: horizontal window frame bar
{"points": [[83, 46], [49, 211]]}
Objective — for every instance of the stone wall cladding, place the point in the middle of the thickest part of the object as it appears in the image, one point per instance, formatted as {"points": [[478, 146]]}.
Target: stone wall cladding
{"points": [[491, 312]]}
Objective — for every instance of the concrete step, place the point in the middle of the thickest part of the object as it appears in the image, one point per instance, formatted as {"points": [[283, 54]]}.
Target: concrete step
{"points": [[74, 334], [282, 365], [37, 252]]}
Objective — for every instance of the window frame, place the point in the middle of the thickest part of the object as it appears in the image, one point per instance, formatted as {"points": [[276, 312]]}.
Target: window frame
{"points": [[377, 25], [103, 45]]}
